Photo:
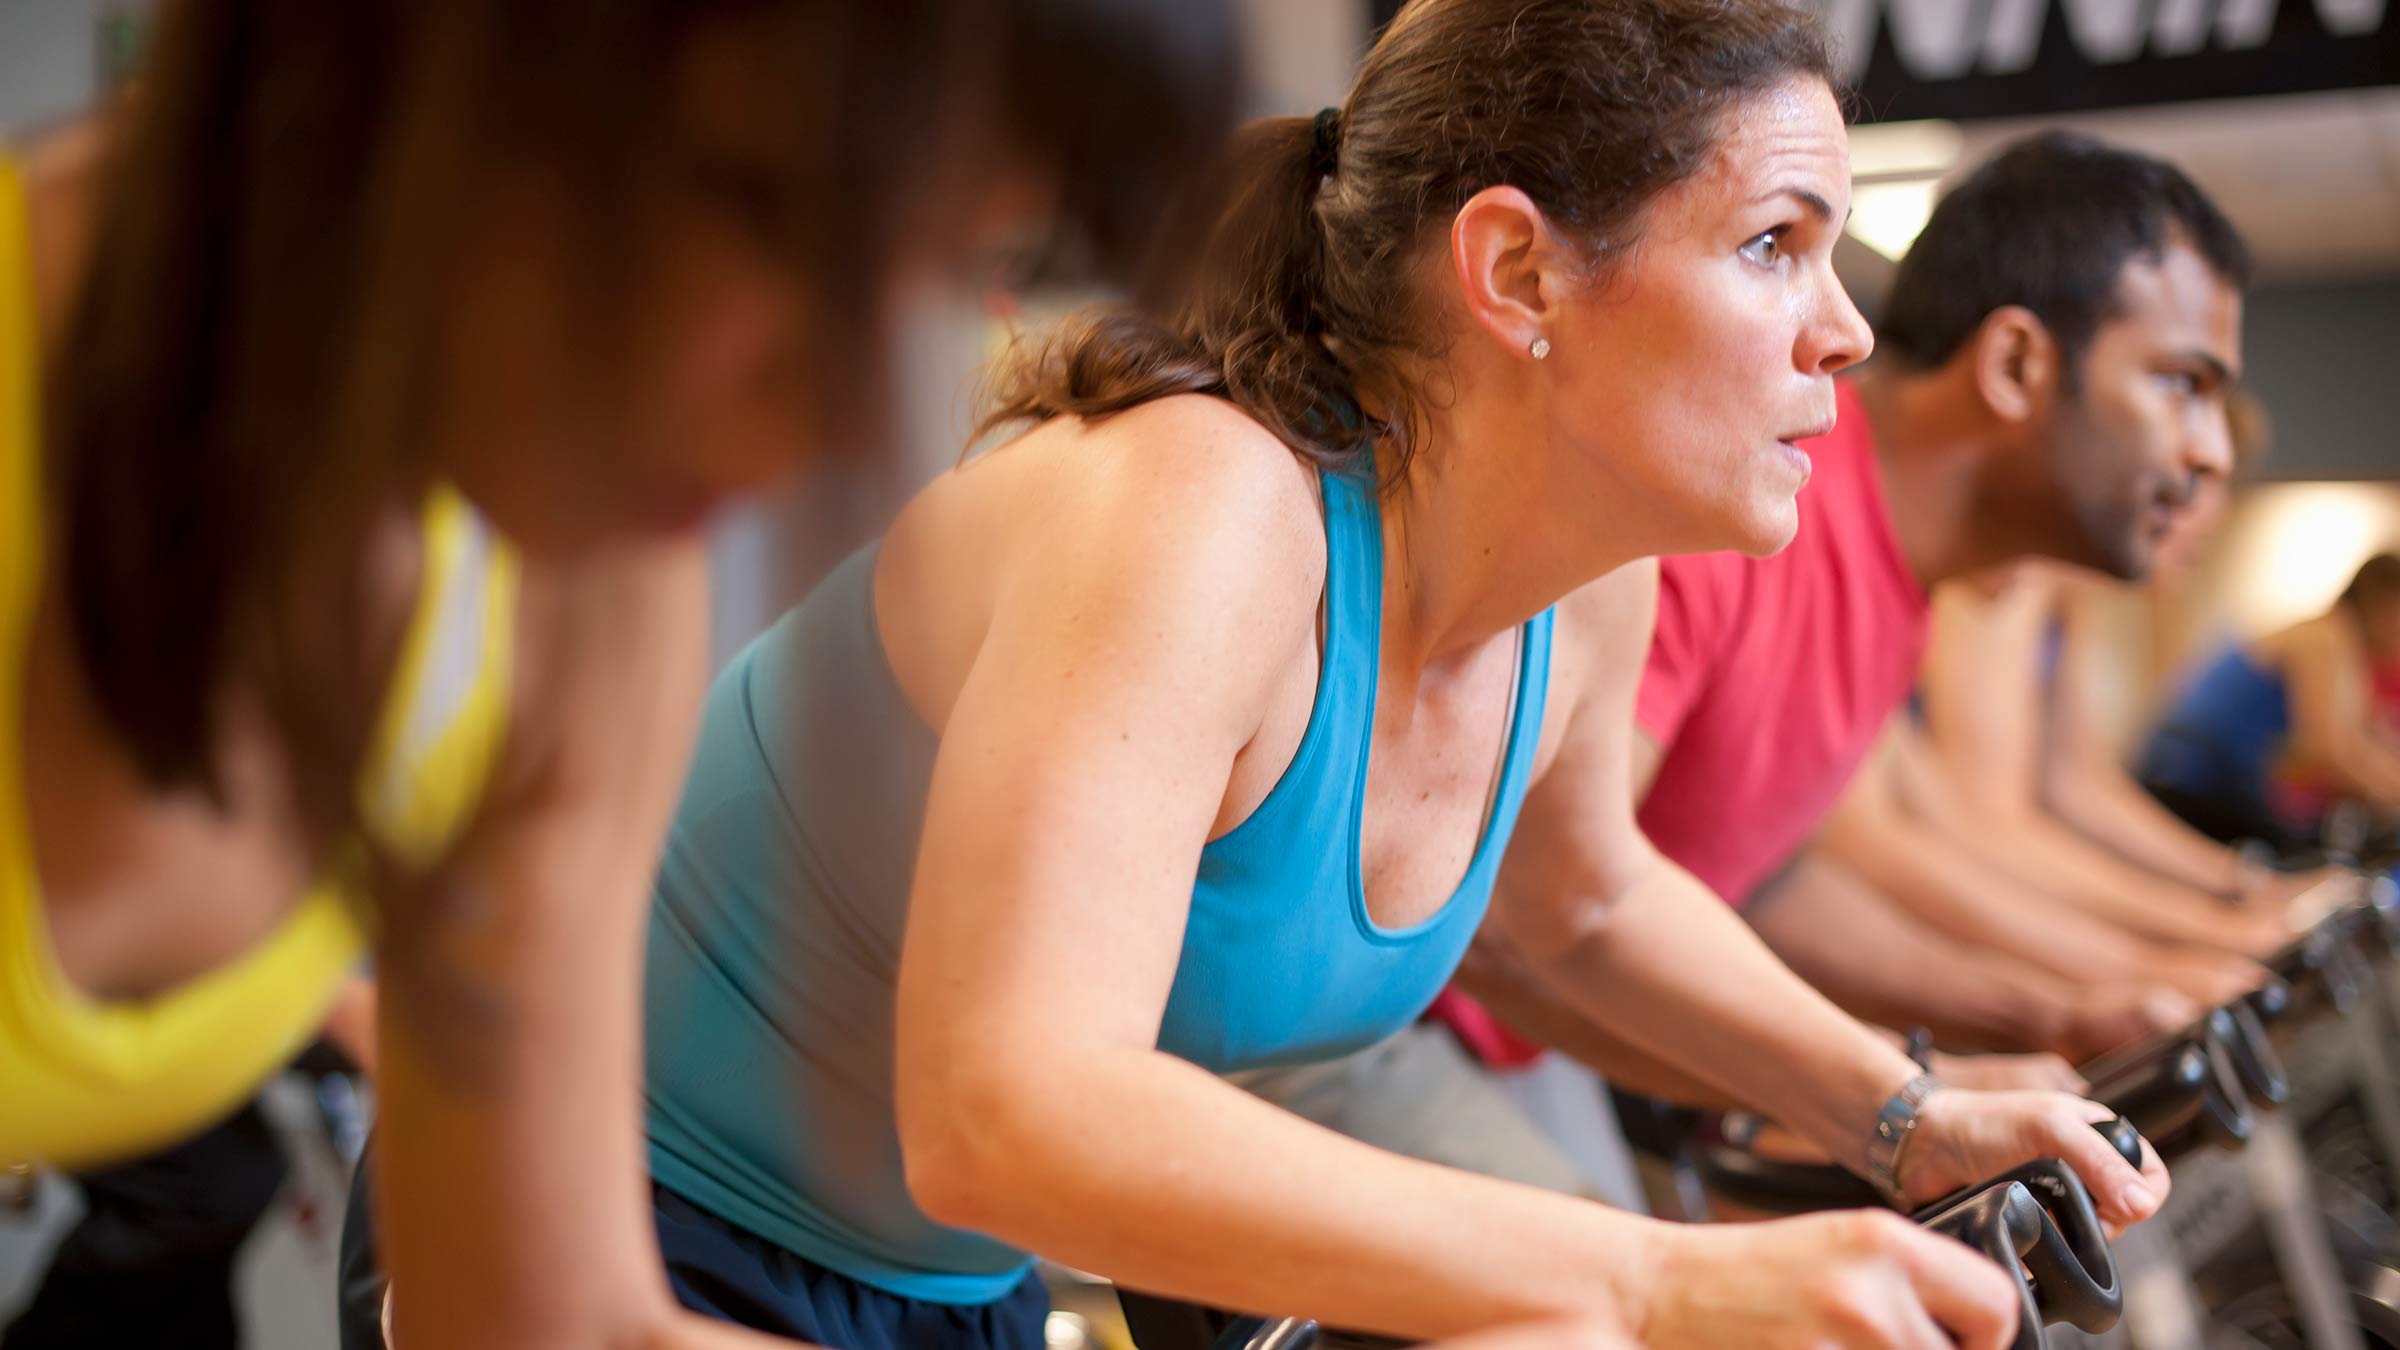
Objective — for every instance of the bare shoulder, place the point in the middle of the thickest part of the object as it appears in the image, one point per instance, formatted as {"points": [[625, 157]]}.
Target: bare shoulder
{"points": [[1203, 455], [1189, 466], [2064, 583], [1182, 514], [1181, 498], [2325, 642]]}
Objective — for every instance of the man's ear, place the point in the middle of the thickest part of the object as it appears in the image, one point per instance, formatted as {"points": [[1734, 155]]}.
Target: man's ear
{"points": [[2015, 362]]}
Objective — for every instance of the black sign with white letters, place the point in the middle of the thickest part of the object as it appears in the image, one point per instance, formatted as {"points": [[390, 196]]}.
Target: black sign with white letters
{"points": [[1966, 59]]}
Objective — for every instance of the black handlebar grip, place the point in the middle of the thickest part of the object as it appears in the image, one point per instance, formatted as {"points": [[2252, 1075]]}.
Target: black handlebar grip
{"points": [[2004, 1222], [2270, 1000], [2036, 1221], [2122, 1137], [2256, 1065], [2159, 1095], [2074, 1273]]}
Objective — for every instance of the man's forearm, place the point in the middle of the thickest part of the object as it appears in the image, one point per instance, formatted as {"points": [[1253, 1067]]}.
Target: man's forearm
{"points": [[1883, 964], [2112, 810], [1667, 967], [2044, 853], [1956, 894]]}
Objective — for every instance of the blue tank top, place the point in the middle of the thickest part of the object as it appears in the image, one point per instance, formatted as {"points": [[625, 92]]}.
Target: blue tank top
{"points": [[775, 937], [2223, 733]]}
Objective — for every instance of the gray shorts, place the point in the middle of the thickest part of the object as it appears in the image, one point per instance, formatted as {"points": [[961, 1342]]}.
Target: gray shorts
{"points": [[1421, 1094]]}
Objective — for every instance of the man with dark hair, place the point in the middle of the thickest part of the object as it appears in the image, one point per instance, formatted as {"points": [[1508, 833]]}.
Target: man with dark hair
{"points": [[2057, 355], [2074, 235]]}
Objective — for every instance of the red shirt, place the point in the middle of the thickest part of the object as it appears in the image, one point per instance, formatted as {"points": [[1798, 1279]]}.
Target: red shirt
{"points": [[1768, 681], [1769, 678]]}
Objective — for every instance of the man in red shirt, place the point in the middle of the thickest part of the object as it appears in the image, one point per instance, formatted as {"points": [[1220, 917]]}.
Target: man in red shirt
{"points": [[2057, 350]]}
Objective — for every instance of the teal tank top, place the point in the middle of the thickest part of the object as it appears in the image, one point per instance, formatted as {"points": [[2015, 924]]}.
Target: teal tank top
{"points": [[775, 935]]}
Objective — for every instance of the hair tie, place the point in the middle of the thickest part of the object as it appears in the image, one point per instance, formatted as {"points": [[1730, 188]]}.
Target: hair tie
{"points": [[1325, 144]]}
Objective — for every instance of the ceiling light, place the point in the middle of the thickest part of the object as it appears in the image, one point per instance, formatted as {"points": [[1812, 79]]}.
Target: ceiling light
{"points": [[1904, 149], [1887, 216]]}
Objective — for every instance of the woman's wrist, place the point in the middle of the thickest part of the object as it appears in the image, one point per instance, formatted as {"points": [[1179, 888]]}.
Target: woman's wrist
{"points": [[1895, 1129], [1842, 1121]]}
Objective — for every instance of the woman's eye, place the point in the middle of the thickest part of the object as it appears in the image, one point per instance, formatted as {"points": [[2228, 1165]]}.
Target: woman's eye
{"points": [[2181, 383], [1765, 250]]}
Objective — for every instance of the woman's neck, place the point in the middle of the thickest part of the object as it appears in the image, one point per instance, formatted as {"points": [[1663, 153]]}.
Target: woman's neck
{"points": [[1482, 534]]}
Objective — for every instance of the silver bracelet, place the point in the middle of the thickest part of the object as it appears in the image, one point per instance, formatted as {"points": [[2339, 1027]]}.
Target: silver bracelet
{"points": [[1893, 1125]]}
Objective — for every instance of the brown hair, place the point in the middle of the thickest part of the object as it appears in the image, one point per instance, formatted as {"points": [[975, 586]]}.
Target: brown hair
{"points": [[238, 388], [2374, 585], [1296, 283]]}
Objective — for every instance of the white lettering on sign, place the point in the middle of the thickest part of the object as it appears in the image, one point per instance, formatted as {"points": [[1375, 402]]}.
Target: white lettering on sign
{"points": [[1947, 39]]}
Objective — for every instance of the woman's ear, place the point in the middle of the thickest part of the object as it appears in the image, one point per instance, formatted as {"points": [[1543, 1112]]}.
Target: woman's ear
{"points": [[1513, 270]]}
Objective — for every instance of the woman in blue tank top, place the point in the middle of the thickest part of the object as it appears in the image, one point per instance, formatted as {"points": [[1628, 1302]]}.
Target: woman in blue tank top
{"points": [[1200, 726], [2299, 698]]}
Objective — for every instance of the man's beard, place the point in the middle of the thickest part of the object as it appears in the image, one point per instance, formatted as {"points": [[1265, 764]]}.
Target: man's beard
{"points": [[2111, 530]]}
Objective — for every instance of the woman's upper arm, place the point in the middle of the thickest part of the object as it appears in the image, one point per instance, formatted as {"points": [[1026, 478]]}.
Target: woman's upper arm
{"points": [[1577, 843], [510, 1146], [1137, 632]]}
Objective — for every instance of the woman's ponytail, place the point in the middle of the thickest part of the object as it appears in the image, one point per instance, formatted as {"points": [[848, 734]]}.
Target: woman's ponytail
{"points": [[1230, 307]]}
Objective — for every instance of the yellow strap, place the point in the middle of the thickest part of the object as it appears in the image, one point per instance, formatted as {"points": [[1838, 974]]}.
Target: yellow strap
{"points": [[443, 723], [20, 464]]}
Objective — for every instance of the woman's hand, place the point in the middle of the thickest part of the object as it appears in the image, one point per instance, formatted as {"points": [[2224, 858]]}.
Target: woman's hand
{"points": [[1964, 1137], [1856, 1279]]}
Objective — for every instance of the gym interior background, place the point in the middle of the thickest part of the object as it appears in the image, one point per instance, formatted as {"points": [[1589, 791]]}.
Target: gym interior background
{"points": [[2286, 111]]}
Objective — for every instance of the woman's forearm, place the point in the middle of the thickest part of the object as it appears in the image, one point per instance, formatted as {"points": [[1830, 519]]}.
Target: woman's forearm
{"points": [[1140, 1167]]}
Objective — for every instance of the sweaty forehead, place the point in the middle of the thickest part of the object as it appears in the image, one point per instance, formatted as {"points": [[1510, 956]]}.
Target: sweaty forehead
{"points": [[2177, 301], [1789, 136]]}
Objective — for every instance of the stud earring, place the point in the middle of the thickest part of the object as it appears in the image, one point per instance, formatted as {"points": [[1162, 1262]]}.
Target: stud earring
{"points": [[1540, 349]]}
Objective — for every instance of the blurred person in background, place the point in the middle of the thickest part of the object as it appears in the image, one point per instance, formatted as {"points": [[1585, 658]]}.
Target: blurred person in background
{"points": [[366, 378], [2298, 703]]}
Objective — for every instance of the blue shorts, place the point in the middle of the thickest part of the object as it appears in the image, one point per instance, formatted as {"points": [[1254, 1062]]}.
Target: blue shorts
{"points": [[736, 1276]]}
